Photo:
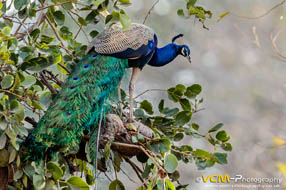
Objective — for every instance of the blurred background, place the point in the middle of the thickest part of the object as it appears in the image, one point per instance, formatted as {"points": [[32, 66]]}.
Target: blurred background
{"points": [[242, 75]]}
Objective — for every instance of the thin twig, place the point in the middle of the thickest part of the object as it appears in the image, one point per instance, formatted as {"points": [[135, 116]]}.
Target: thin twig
{"points": [[149, 90], [256, 38], [53, 77], [264, 14], [273, 39], [19, 27], [57, 4], [21, 36], [107, 177], [47, 84], [136, 169], [75, 37], [58, 37], [143, 149], [66, 69], [80, 26], [12, 93], [150, 10]]}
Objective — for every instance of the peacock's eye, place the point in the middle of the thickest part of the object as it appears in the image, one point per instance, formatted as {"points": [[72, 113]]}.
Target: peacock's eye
{"points": [[184, 52], [68, 114]]}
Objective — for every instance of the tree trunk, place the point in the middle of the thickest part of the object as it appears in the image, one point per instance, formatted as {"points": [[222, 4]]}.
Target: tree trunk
{"points": [[3, 178]]}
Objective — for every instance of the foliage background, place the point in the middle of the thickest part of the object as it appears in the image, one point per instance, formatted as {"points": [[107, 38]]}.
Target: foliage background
{"points": [[244, 84]]}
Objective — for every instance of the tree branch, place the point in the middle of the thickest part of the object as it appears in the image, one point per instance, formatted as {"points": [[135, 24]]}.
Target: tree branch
{"points": [[56, 4], [264, 14], [150, 10], [273, 39], [21, 36], [52, 77], [47, 84], [58, 37], [80, 26]]}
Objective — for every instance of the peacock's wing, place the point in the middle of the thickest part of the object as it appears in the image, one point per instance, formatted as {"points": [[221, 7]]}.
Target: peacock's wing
{"points": [[139, 40], [78, 106]]}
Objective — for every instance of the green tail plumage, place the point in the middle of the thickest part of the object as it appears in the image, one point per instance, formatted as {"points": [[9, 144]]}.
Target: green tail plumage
{"points": [[78, 107]]}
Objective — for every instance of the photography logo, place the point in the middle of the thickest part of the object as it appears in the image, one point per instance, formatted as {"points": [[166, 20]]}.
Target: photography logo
{"points": [[239, 181]]}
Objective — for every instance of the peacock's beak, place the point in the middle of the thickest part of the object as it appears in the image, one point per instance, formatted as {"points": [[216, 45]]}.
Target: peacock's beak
{"points": [[189, 59]]}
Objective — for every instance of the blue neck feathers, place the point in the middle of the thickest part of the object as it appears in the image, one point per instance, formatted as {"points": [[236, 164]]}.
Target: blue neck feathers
{"points": [[165, 55]]}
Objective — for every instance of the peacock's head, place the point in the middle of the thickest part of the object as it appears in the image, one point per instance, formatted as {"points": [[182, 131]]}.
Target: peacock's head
{"points": [[184, 50]]}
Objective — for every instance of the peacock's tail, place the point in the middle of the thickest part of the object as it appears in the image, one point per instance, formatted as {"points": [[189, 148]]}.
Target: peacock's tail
{"points": [[78, 107]]}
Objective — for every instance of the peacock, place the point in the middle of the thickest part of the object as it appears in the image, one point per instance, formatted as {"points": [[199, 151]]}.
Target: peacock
{"points": [[85, 96]]}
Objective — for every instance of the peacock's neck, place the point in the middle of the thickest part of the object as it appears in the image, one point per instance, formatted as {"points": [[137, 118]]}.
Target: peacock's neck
{"points": [[164, 55]]}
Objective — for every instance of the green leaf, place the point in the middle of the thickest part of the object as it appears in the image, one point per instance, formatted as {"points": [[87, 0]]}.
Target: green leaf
{"points": [[4, 158], [195, 126], [139, 113], [36, 64], [82, 21], [46, 39], [185, 104], [193, 91], [222, 136], [161, 106], [187, 148], [65, 33], [170, 185], [35, 34], [124, 1], [36, 105], [78, 182], [29, 81], [91, 16], [90, 179], [147, 106], [181, 13], [22, 13], [215, 128], [170, 112], [226, 147], [55, 170], [3, 139], [178, 136], [159, 184], [12, 154], [165, 145], [147, 171], [191, 2], [107, 150], [39, 181], [7, 81], [222, 16], [18, 175], [179, 90], [59, 17], [124, 20], [93, 33], [116, 185], [18, 4], [117, 161], [183, 117], [170, 163], [221, 157], [201, 153]]}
